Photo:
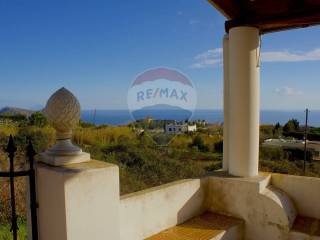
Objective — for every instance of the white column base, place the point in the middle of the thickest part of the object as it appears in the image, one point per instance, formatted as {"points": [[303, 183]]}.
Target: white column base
{"points": [[63, 153], [55, 160]]}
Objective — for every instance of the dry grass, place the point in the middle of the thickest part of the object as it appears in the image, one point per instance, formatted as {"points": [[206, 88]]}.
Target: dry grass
{"points": [[102, 136], [20, 189]]}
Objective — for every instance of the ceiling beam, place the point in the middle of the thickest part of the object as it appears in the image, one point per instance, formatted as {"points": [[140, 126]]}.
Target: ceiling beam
{"points": [[229, 9], [294, 19]]}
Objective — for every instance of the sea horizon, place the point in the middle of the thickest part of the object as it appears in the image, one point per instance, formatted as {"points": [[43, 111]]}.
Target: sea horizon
{"points": [[213, 116]]}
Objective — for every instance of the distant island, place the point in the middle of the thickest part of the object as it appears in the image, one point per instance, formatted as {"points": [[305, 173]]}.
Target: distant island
{"points": [[12, 111], [162, 112]]}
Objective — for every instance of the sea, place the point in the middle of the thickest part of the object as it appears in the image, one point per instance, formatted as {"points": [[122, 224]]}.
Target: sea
{"points": [[123, 117]]}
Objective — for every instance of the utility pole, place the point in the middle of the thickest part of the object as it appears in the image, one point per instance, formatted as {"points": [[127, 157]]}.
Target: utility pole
{"points": [[305, 141], [94, 116]]}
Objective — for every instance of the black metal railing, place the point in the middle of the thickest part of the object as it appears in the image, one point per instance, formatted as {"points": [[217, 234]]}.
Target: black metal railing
{"points": [[12, 174]]}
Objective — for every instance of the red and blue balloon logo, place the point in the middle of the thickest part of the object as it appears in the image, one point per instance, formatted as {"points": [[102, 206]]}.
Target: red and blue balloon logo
{"points": [[162, 94]]}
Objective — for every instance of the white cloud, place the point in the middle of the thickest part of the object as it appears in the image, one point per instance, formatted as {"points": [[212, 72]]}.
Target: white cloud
{"points": [[213, 57], [288, 91], [287, 56], [209, 58]]}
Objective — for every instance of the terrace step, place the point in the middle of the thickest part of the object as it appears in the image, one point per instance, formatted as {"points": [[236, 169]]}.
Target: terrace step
{"points": [[208, 226], [305, 228], [283, 204]]}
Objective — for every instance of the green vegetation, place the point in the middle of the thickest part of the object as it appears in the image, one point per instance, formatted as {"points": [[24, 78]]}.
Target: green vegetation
{"points": [[142, 162], [288, 160], [5, 233], [38, 119], [146, 157], [291, 126], [35, 119]]}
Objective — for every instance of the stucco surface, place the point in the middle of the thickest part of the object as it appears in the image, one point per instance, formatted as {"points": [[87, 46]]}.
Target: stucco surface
{"points": [[82, 201], [267, 211], [148, 212], [78, 201], [304, 191]]}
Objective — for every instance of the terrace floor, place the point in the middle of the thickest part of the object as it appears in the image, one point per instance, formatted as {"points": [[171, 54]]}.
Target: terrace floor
{"points": [[208, 226], [306, 227]]}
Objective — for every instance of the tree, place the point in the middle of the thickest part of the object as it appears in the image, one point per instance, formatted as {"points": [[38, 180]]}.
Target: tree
{"points": [[199, 143], [276, 129], [291, 126], [38, 119]]}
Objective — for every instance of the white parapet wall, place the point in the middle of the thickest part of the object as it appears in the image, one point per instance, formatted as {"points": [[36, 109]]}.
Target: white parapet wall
{"points": [[304, 191], [268, 203], [145, 213], [82, 201]]}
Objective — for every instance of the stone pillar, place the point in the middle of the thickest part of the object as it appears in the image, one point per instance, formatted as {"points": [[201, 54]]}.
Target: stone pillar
{"points": [[226, 109], [78, 197], [244, 101], [78, 201]]}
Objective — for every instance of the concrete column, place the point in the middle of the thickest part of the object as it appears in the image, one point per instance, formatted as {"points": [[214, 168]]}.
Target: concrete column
{"points": [[226, 109], [244, 101], [78, 201]]}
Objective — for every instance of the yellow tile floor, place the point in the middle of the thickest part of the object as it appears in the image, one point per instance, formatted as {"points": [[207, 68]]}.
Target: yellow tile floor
{"points": [[204, 227]]}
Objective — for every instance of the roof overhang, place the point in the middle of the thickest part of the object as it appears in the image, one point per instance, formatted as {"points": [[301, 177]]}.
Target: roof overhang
{"points": [[269, 15]]}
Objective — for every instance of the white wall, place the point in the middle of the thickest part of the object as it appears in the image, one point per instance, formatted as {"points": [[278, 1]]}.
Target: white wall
{"points": [[192, 128], [304, 191], [145, 213], [267, 212], [78, 201]]}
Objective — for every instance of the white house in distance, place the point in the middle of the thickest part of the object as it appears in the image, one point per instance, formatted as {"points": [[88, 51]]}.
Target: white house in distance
{"points": [[298, 144], [180, 128]]}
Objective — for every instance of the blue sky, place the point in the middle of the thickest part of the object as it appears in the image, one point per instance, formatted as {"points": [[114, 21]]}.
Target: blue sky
{"points": [[96, 48]]}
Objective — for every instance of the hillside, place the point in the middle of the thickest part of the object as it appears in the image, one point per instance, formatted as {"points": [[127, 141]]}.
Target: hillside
{"points": [[15, 111]]}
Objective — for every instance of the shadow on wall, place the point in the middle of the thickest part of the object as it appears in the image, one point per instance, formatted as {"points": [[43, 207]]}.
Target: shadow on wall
{"points": [[192, 207]]}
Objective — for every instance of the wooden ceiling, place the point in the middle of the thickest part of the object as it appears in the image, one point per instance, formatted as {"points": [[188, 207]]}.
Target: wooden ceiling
{"points": [[269, 15]]}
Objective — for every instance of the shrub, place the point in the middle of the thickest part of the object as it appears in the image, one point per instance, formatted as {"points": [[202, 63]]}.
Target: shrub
{"points": [[38, 119], [199, 143], [218, 146], [273, 153], [214, 166]]}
